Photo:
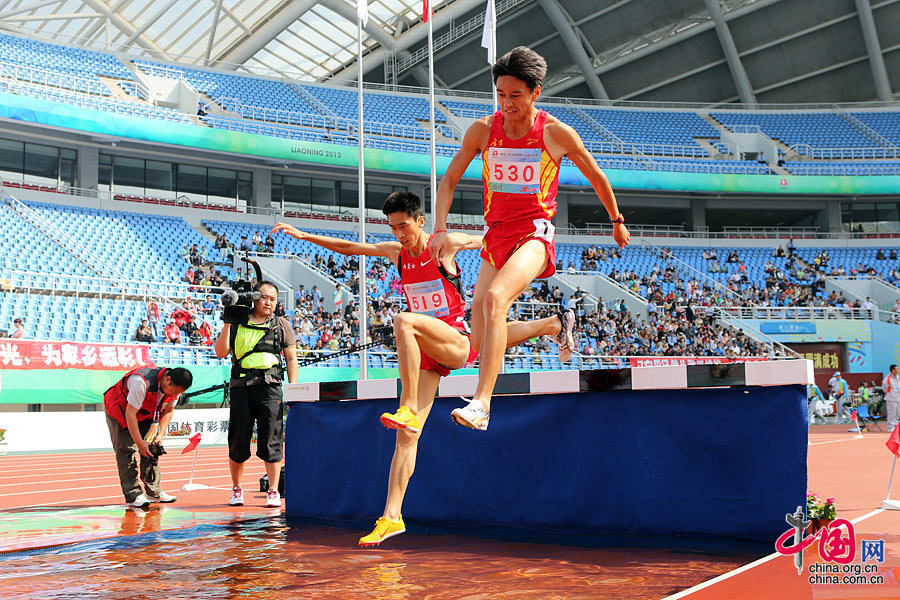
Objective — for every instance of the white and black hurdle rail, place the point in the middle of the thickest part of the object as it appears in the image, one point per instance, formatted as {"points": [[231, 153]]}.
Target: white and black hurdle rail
{"points": [[670, 377]]}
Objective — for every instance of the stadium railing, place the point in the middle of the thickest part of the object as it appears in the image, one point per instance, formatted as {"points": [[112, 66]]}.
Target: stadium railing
{"points": [[806, 313], [103, 287]]}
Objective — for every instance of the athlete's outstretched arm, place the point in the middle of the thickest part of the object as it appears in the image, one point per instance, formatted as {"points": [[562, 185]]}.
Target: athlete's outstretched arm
{"points": [[573, 148], [473, 143], [464, 241], [387, 249]]}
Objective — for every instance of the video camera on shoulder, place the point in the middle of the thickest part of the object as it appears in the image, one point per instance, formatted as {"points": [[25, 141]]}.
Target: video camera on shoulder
{"points": [[238, 301]]}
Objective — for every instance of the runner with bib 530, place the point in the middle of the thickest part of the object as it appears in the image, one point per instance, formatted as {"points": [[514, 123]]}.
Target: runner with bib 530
{"points": [[521, 147]]}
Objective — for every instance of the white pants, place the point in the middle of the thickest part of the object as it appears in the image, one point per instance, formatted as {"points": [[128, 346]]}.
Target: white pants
{"points": [[893, 412]]}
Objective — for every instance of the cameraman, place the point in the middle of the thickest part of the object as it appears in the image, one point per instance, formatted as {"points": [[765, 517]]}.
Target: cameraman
{"points": [[256, 376], [143, 399]]}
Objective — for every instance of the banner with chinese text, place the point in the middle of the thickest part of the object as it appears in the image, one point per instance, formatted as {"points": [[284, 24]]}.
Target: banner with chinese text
{"points": [[669, 361], [30, 354]]}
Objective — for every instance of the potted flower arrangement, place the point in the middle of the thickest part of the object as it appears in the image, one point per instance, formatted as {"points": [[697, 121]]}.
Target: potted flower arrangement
{"points": [[177, 438], [3, 443], [820, 513]]}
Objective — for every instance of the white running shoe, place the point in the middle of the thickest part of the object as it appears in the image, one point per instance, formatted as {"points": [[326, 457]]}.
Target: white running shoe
{"points": [[273, 499], [564, 339], [237, 497], [163, 497], [472, 415], [140, 502]]}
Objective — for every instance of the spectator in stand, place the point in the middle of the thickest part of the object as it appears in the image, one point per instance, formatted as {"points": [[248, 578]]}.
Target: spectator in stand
{"points": [[144, 333], [893, 254], [279, 310], [191, 329], [206, 333], [153, 317], [244, 245], [19, 332], [189, 275], [891, 389], [181, 318], [880, 255], [270, 244], [869, 307], [299, 295], [172, 333], [208, 306], [306, 327]]}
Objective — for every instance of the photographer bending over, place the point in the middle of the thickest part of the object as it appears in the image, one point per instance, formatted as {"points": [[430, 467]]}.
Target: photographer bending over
{"points": [[138, 410], [256, 345]]}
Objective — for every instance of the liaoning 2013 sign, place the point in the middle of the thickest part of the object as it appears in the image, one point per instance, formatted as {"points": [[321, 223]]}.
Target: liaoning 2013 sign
{"points": [[67, 116]]}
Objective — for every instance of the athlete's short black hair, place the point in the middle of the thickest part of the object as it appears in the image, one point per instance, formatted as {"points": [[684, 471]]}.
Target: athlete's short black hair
{"points": [[180, 377], [522, 63], [403, 202]]}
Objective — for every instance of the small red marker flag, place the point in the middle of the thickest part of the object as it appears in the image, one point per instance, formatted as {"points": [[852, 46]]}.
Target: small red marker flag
{"points": [[193, 443], [893, 443], [425, 11]]}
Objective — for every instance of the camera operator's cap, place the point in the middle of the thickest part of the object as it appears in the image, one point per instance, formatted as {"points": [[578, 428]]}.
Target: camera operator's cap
{"points": [[171, 321], [837, 374]]}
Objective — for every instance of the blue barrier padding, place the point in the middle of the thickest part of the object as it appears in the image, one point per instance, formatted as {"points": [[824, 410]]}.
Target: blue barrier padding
{"points": [[725, 462]]}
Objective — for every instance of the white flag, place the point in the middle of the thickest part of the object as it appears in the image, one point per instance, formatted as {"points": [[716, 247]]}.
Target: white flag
{"points": [[362, 11], [487, 35]]}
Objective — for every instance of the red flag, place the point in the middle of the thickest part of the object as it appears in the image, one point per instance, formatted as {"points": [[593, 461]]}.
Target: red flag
{"points": [[854, 416], [195, 441], [893, 443], [425, 11]]}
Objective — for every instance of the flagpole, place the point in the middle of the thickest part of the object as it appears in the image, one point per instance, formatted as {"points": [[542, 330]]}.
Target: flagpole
{"points": [[889, 504], [363, 334], [492, 54], [432, 105]]}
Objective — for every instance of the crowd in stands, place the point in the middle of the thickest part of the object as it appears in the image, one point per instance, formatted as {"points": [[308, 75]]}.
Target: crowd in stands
{"points": [[796, 284], [670, 329]]}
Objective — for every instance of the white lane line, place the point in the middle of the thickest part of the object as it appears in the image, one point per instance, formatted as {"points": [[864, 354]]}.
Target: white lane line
{"points": [[747, 567], [847, 439], [168, 476], [169, 473], [117, 496]]}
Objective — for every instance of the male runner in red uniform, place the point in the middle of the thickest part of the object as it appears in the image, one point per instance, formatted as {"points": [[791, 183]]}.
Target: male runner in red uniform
{"points": [[521, 147], [432, 338]]}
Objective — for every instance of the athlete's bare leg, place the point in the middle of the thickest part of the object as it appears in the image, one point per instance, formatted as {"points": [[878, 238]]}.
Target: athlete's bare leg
{"points": [[504, 287], [404, 461], [520, 331], [485, 277], [416, 333]]}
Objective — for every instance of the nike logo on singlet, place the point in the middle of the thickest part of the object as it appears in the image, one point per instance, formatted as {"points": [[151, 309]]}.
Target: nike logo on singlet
{"points": [[425, 263]]}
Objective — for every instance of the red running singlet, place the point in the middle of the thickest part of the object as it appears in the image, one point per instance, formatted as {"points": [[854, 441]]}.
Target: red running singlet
{"points": [[520, 177], [431, 290]]}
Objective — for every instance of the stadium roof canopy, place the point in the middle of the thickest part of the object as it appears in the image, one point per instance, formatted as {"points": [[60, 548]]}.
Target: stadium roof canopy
{"points": [[699, 51]]}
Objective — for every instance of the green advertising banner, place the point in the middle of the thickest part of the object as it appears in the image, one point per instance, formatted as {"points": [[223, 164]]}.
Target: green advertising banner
{"points": [[86, 386], [34, 110]]}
